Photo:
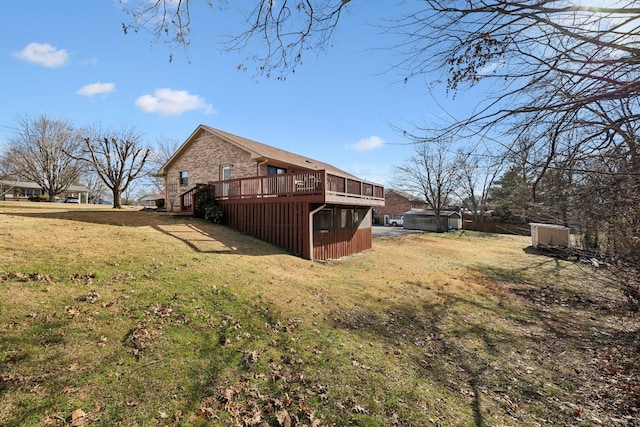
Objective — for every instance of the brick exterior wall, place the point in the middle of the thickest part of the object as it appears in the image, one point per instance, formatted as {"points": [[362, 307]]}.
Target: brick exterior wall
{"points": [[203, 160], [395, 204]]}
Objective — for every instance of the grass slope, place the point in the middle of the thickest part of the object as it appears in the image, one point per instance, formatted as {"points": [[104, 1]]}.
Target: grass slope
{"points": [[139, 318]]}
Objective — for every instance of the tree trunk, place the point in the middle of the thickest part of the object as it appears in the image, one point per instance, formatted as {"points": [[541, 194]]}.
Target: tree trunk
{"points": [[117, 195], [436, 213]]}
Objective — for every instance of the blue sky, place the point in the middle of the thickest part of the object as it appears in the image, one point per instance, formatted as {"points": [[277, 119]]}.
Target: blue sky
{"points": [[70, 60]]}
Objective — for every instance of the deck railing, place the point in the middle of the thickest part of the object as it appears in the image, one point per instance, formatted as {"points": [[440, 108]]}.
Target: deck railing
{"points": [[318, 186]]}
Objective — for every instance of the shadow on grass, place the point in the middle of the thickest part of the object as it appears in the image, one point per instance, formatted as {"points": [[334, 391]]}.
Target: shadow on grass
{"points": [[502, 354], [18, 372], [200, 235]]}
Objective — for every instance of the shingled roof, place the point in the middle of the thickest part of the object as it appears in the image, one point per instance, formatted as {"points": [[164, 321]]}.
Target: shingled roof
{"points": [[258, 151]]}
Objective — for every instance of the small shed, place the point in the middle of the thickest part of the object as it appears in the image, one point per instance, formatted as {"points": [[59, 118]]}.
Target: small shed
{"points": [[425, 219], [550, 235]]}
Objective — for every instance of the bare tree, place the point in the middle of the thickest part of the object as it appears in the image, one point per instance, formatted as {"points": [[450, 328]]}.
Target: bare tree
{"points": [[160, 154], [42, 151], [432, 172], [118, 157], [131, 194], [96, 186], [5, 174], [562, 76], [283, 30], [478, 172]]}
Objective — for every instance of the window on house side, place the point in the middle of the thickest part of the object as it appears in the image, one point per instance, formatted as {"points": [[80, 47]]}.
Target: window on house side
{"points": [[273, 170], [184, 178]]}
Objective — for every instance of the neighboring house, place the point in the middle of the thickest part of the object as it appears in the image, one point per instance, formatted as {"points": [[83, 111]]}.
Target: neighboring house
{"points": [[396, 203], [149, 200], [310, 208], [22, 190], [425, 219]]}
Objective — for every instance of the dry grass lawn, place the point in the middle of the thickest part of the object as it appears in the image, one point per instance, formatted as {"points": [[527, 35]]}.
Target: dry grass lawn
{"points": [[130, 317]]}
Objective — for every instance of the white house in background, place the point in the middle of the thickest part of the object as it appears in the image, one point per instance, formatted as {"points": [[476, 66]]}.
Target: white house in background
{"points": [[22, 190], [149, 200]]}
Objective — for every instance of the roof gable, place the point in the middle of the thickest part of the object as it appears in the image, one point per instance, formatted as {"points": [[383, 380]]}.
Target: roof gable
{"points": [[257, 150]]}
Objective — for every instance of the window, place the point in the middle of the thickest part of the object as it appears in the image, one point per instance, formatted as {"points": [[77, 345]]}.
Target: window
{"points": [[225, 172], [344, 214], [184, 178], [32, 192], [273, 170], [323, 221]]}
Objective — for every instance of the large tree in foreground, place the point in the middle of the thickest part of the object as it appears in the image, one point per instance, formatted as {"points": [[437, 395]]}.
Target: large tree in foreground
{"points": [[42, 151], [117, 157]]}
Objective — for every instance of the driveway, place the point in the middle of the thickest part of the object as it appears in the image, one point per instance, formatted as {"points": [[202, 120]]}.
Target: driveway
{"points": [[387, 231]]}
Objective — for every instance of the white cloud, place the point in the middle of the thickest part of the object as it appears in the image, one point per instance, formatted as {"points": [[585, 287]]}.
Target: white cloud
{"points": [[169, 102], [43, 54], [490, 68], [368, 144], [96, 89], [91, 62]]}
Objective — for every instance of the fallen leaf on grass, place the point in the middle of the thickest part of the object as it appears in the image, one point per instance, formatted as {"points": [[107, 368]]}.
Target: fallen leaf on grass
{"points": [[359, 409], [92, 297], [227, 395], [140, 338], [79, 278], [253, 419], [31, 277], [72, 312], [78, 417], [249, 357], [283, 418]]}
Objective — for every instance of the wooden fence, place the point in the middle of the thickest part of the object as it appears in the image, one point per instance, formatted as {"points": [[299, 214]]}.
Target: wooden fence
{"points": [[492, 226]]}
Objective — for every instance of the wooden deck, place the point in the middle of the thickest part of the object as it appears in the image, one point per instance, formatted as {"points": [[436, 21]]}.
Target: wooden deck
{"points": [[282, 209], [311, 187]]}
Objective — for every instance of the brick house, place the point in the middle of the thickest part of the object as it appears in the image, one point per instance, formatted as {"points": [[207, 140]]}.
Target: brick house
{"points": [[308, 207], [396, 204]]}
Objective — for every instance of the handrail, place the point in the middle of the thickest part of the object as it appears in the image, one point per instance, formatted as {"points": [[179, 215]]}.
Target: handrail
{"points": [[310, 183], [318, 185], [291, 184], [187, 202]]}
